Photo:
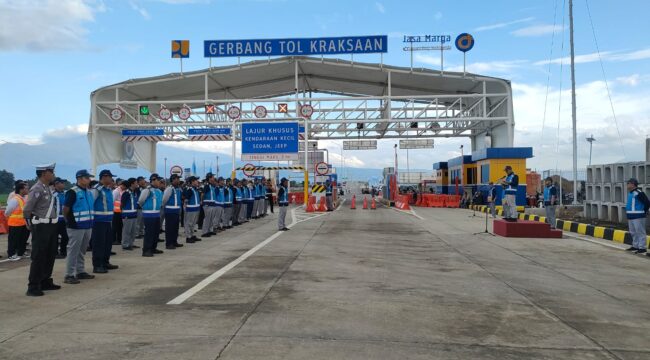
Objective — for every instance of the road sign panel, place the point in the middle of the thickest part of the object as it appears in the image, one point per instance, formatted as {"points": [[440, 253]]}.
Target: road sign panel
{"points": [[116, 114], [209, 131], [464, 42], [249, 170], [184, 113], [234, 112], [260, 112], [283, 108], [270, 141], [164, 114], [360, 145], [210, 109], [180, 49], [306, 111], [416, 144], [176, 169], [152, 132], [321, 168]]}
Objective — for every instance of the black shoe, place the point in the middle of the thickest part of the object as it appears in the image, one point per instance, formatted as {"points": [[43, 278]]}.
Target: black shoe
{"points": [[640, 251], [50, 286], [631, 248], [170, 247], [129, 248], [85, 276], [111, 267], [135, 246], [284, 229], [71, 280], [117, 243], [178, 245], [147, 254], [100, 270], [34, 292], [206, 235], [140, 237], [190, 241], [60, 256], [113, 253], [195, 238], [156, 251]]}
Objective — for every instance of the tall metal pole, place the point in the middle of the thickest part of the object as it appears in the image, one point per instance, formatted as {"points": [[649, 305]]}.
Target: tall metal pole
{"points": [[165, 173], [217, 165], [591, 140], [408, 167], [573, 106]]}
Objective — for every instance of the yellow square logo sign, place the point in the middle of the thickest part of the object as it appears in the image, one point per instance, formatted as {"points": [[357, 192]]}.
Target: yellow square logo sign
{"points": [[180, 48]]}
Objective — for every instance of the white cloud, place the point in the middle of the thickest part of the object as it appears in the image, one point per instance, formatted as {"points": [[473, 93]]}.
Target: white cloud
{"points": [[380, 7], [66, 132], [139, 9], [536, 30], [503, 67], [503, 24], [632, 80], [45, 25], [612, 56]]}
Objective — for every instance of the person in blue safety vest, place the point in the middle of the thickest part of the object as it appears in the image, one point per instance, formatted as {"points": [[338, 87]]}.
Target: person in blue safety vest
{"points": [[250, 198], [492, 198], [256, 198], [636, 210], [510, 183], [236, 208], [142, 184], [129, 213], [550, 201], [78, 211], [328, 195], [173, 200], [261, 194], [209, 202], [283, 204], [228, 197], [150, 201], [102, 236], [59, 189], [221, 198], [192, 201]]}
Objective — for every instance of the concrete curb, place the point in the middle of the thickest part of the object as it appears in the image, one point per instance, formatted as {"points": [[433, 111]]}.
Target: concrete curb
{"points": [[600, 232]]}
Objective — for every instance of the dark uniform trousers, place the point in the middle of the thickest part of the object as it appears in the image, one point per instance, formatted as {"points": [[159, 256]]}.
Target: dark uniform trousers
{"points": [[102, 242], [44, 247], [151, 231], [117, 228], [171, 229], [62, 232]]}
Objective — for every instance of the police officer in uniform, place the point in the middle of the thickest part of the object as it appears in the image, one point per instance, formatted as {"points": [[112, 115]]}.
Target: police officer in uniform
{"points": [[283, 204], [209, 206], [102, 236], [78, 211], [41, 215], [218, 214]]}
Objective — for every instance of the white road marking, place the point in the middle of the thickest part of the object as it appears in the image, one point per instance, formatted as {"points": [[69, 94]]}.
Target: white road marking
{"points": [[410, 212], [219, 273]]}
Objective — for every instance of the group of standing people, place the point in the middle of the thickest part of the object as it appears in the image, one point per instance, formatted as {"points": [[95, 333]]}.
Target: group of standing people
{"points": [[95, 215]]}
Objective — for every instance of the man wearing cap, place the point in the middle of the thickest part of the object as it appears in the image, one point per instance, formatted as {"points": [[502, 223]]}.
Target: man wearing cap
{"points": [[209, 205], [283, 204], [78, 212], [142, 184], [41, 216], [192, 201], [172, 198], [510, 184], [102, 239], [550, 201], [636, 210], [59, 188], [129, 213], [151, 201]]}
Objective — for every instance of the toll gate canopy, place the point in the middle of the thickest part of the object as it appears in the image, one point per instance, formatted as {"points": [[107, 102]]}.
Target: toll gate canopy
{"points": [[350, 100]]}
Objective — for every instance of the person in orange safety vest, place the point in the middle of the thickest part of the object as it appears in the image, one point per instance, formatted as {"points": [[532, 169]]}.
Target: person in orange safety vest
{"points": [[18, 232]]}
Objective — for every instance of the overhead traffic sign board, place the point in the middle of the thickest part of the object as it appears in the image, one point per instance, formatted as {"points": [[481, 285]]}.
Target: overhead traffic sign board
{"points": [[360, 145], [293, 47], [306, 111], [210, 109], [209, 134], [260, 112], [116, 114], [283, 108], [416, 144], [184, 113], [164, 114], [270, 141], [234, 112]]}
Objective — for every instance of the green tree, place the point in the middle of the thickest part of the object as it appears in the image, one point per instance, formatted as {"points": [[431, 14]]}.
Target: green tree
{"points": [[6, 181]]}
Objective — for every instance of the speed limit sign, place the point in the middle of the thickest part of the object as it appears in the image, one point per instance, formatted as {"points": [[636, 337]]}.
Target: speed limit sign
{"points": [[321, 168], [184, 113], [260, 112], [249, 170], [116, 114], [164, 114], [306, 111], [234, 112]]}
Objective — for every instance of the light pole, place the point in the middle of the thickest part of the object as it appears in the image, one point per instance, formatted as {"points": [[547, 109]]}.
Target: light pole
{"points": [[165, 173], [591, 140], [217, 165]]}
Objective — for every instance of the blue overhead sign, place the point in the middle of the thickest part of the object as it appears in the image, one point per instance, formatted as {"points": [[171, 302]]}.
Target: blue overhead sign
{"points": [[293, 47], [155, 132], [269, 141], [213, 131]]}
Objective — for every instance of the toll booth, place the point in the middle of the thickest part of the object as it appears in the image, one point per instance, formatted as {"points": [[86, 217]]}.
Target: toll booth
{"points": [[442, 178], [490, 164], [462, 174]]}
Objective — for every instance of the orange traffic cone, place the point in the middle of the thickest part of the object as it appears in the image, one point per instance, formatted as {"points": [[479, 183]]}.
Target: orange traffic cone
{"points": [[4, 228], [354, 202], [373, 205], [365, 203], [321, 205], [310, 204]]}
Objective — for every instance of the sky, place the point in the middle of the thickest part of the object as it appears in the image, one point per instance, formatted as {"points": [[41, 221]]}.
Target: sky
{"points": [[54, 53]]}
